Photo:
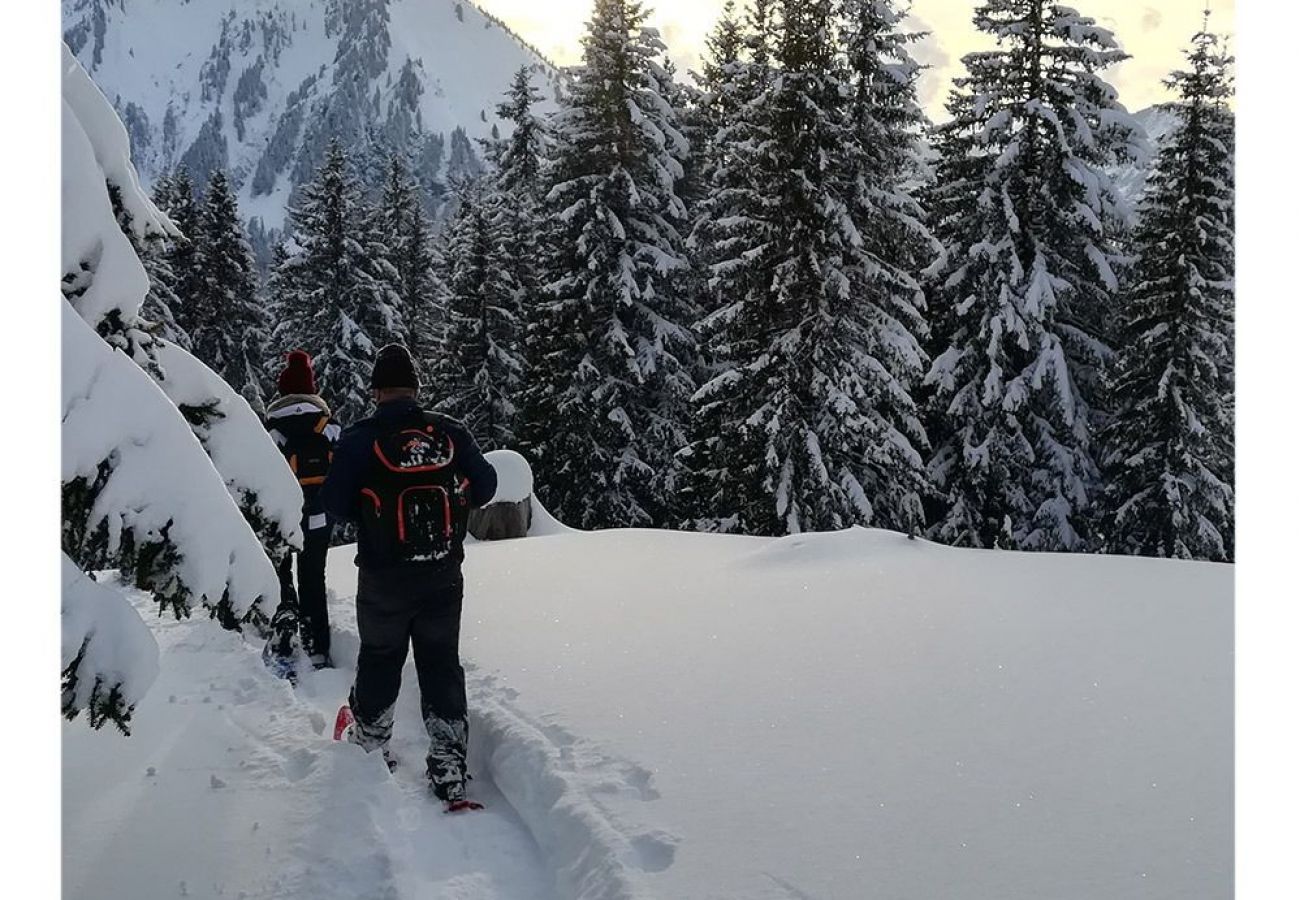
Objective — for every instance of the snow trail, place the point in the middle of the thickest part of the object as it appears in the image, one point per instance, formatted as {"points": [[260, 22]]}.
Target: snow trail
{"points": [[232, 787]]}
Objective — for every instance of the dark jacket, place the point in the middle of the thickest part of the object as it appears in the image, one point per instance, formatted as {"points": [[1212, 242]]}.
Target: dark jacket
{"points": [[294, 420], [354, 460]]}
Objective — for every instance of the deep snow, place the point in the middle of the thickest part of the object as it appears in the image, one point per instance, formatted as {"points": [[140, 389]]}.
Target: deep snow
{"points": [[687, 716]]}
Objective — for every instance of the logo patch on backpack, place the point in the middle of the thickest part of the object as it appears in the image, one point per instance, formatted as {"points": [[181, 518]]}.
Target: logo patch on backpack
{"points": [[417, 508]]}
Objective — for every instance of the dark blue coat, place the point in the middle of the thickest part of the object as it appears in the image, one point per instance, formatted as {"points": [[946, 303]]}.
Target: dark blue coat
{"points": [[354, 458]]}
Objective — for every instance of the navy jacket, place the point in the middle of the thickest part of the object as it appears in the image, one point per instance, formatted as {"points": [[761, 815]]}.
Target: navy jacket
{"points": [[354, 457]]}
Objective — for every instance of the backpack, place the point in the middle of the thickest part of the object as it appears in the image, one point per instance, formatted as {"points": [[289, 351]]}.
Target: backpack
{"points": [[311, 455], [415, 506]]}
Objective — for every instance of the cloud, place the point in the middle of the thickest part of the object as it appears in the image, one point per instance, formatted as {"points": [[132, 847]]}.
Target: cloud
{"points": [[929, 52]]}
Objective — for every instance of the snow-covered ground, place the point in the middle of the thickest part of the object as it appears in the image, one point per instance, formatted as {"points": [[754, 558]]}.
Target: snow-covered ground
{"points": [[657, 714]]}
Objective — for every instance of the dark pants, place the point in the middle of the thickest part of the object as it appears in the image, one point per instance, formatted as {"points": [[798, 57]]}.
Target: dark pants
{"points": [[417, 607], [309, 598]]}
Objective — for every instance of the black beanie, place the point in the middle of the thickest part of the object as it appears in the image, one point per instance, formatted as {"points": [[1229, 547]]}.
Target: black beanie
{"points": [[394, 368]]}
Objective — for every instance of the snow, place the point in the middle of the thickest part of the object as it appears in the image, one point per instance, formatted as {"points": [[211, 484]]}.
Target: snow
{"points": [[514, 476], [679, 715]]}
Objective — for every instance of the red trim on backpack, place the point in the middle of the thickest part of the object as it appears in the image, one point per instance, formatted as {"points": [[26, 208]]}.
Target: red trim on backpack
{"points": [[374, 498]]}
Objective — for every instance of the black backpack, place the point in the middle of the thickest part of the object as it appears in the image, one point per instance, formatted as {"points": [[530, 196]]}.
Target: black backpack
{"points": [[311, 455], [415, 506]]}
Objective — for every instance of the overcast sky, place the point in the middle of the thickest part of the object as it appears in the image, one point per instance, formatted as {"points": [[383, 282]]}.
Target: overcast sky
{"points": [[1152, 31]]}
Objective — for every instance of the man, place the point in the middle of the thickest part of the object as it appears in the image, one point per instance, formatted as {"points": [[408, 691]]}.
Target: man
{"points": [[408, 479], [299, 421]]}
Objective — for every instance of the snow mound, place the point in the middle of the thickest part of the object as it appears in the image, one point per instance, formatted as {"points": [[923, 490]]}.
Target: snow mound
{"points": [[514, 476]]}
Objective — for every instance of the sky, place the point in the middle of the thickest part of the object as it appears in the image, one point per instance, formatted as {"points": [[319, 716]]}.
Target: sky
{"points": [[1153, 32]]}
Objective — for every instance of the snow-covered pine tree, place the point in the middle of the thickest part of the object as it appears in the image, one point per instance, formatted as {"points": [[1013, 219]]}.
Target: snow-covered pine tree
{"points": [[138, 494], [1029, 220], [737, 69], [519, 164], [481, 366], [895, 246], [612, 349], [808, 423], [333, 298], [229, 325], [1169, 446], [174, 195], [404, 234], [161, 303], [718, 98], [514, 203]]}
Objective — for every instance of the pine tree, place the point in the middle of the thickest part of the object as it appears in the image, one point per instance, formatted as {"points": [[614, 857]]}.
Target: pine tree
{"points": [[515, 204], [895, 246], [482, 369], [405, 236], [737, 70], [229, 324], [718, 98], [333, 298], [809, 422], [159, 308], [175, 196], [1169, 447], [1029, 220], [519, 165], [612, 350]]}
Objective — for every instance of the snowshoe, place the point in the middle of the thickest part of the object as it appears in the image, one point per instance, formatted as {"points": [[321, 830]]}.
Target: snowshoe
{"points": [[447, 782], [345, 722], [463, 805], [281, 665]]}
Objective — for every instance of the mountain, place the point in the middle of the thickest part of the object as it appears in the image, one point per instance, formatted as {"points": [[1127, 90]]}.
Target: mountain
{"points": [[260, 86], [1158, 123]]}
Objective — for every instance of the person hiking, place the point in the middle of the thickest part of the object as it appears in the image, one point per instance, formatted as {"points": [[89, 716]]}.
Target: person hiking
{"points": [[299, 422], [407, 478]]}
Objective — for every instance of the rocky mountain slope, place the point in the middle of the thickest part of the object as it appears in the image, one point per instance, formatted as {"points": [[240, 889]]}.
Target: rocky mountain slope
{"points": [[260, 86]]}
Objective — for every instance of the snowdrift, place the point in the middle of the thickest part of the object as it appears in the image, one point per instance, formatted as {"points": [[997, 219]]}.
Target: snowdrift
{"points": [[856, 715]]}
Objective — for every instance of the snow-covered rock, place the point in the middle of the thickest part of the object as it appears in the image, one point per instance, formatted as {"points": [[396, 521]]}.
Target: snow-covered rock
{"points": [[509, 514], [260, 86], [514, 476]]}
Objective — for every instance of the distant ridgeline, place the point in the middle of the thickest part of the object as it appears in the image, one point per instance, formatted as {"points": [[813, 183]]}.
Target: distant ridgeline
{"points": [[258, 87]]}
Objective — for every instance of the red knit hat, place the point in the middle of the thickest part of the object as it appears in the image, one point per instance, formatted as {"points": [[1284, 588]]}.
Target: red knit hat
{"points": [[297, 377]]}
